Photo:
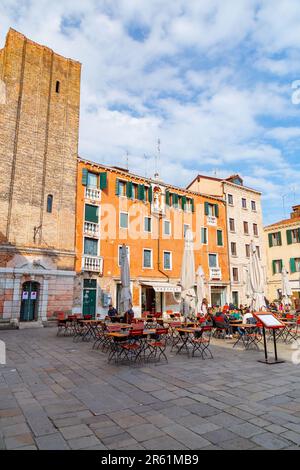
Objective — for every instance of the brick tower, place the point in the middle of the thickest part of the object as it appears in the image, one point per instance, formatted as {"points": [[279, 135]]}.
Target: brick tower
{"points": [[39, 121]]}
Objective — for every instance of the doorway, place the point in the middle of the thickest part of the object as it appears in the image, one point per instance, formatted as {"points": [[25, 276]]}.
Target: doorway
{"points": [[29, 301], [89, 297], [218, 296], [148, 299]]}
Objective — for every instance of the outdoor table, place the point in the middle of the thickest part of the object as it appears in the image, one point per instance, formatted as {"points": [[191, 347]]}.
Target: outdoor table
{"points": [[246, 339], [118, 337], [91, 326], [185, 337], [286, 333]]}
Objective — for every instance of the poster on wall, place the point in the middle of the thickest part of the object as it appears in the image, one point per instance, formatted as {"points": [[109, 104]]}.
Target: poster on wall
{"points": [[24, 295], [33, 295]]}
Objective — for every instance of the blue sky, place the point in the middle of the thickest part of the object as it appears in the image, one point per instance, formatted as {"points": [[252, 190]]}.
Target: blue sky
{"points": [[212, 79]]}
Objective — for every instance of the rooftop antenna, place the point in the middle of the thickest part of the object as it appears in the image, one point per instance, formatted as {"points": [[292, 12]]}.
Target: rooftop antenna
{"points": [[127, 160], [157, 156]]}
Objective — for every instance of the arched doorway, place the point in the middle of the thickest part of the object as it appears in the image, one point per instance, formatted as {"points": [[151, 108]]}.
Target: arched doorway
{"points": [[29, 301]]}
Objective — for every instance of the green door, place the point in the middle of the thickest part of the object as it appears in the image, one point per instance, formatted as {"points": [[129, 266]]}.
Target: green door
{"points": [[89, 297], [29, 299]]}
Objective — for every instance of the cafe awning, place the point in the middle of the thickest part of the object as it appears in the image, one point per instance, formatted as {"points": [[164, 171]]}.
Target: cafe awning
{"points": [[162, 286]]}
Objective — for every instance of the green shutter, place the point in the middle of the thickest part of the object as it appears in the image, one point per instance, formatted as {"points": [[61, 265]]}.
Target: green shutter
{"points": [[129, 189], [281, 265], [270, 240], [103, 180], [220, 237], [273, 266], [292, 265], [175, 200], [141, 192], [117, 187], [203, 235], [150, 194], [84, 176], [193, 205], [183, 202], [91, 213], [279, 238], [289, 237], [206, 205], [167, 198], [216, 210]]}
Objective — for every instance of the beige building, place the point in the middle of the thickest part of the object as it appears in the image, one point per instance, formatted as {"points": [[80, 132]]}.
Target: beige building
{"points": [[282, 240], [39, 119], [244, 224]]}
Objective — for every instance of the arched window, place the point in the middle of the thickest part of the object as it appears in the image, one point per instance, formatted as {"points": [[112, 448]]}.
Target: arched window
{"points": [[49, 203]]}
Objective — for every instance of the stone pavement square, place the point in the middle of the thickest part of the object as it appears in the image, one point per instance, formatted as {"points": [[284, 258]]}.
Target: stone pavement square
{"points": [[57, 394]]}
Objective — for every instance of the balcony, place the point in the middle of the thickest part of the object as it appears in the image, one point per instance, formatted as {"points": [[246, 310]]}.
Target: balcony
{"points": [[211, 220], [215, 273], [91, 229], [93, 194], [92, 263]]}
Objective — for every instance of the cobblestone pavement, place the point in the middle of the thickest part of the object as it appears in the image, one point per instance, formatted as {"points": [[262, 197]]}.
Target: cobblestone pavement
{"points": [[57, 394]]}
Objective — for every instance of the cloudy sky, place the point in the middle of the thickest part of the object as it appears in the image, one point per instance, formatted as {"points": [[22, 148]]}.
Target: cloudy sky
{"points": [[212, 79]]}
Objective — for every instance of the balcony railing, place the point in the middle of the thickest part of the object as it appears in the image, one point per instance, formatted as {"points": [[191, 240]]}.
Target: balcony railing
{"points": [[215, 273], [92, 263], [93, 194], [91, 229]]}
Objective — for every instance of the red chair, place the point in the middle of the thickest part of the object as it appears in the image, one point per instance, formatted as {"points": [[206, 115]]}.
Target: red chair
{"points": [[201, 342], [158, 346]]}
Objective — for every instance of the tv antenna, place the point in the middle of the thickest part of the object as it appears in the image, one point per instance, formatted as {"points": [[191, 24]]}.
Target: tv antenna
{"points": [[127, 160], [157, 157]]}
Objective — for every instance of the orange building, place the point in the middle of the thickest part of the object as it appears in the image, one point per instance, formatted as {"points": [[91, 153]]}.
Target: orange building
{"points": [[150, 217]]}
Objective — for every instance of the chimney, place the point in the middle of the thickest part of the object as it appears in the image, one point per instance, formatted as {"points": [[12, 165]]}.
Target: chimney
{"points": [[296, 211]]}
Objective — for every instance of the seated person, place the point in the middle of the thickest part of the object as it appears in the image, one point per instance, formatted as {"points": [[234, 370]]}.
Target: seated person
{"points": [[112, 312], [222, 321]]}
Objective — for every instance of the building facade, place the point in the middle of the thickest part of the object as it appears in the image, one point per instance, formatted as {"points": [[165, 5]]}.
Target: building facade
{"points": [[39, 120], [244, 224], [150, 217], [282, 240]]}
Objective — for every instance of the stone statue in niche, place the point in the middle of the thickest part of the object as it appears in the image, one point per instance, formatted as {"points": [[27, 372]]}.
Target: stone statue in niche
{"points": [[157, 199]]}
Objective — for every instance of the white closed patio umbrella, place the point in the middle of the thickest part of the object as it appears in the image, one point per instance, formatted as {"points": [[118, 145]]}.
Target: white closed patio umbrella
{"points": [[200, 288], [256, 280], [187, 281], [286, 288], [126, 298]]}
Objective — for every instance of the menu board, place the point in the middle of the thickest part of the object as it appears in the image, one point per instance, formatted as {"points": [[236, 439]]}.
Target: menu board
{"points": [[269, 320]]}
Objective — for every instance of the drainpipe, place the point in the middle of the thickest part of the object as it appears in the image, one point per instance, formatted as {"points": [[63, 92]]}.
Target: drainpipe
{"points": [[158, 255]]}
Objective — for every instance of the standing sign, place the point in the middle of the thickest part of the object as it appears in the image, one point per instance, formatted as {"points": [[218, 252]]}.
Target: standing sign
{"points": [[33, 295], [25, 295], [269, 321]]}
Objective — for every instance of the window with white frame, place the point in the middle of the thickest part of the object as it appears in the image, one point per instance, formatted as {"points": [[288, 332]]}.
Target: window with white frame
{"points": [[253, 206], [231, 225], [120, 252], [122, 188], [244, 203], [230, 199], [255, 230], [235, 274], [204, 235], [147, 258], [233, 249], [213, 260], [167, 227], [90, 246], [123, 220], [147, 224], [167, 260]]}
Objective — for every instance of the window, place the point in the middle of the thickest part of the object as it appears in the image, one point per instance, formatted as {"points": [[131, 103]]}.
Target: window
{"points": [[231, 225], [57, 86], [277, 266], [147, 258], [167, 260], [49, 203], [122, 188], [235, 274], [212, 260], [167, 227], [147, 224], [188, 207], [119, 254], [135, 190], [297, 264], [204, 235], [211, 209], [233, 248], [92, 180], [294, 265], [295, 235], [275, 239], [230, 199], [235, 298], [244, 203], [247, 251], [253, 205], [246, 228], [258, 251], [91, 213], [123, 220], [185, 228], [219, 238], [90, 247], [255, 230]]}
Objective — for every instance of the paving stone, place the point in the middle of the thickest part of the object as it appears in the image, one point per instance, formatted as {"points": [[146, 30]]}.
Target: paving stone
{"points": [[85, 442], [275, 428], [240, 443], [18, 441], [225, 420], [202, 409], [246, 429], [107, 431], [52, 442], [190, 439], [80, 430], [15, 430], [164, 443], [159, 420], [144, 432], [270, 441], [219, 435], [291, 436]]}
